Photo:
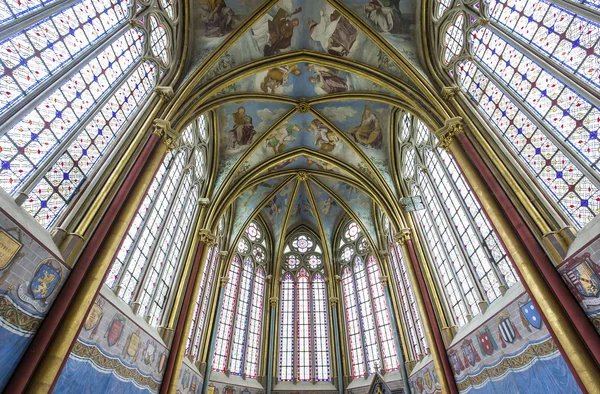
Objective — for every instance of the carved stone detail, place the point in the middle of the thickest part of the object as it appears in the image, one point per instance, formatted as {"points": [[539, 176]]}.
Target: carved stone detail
{"points": [[207, 237], [273, 301], [302, 106], [449, 91], [162, 128], [402, 236], [446, 134], [164, 92], [333, 301]]}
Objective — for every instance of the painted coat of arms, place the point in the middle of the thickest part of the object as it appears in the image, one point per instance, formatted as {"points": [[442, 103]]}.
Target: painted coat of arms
{"points": [[507, 332], [93, 318], [583, 276], [456, 362], [132, 346], [162, 362], [115, 329], [41, 287], [530, 315], [471, 355], [486, 341]]}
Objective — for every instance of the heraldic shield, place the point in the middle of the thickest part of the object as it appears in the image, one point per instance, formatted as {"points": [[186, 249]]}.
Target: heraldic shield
{"points": [[115, 330], [486, 341], [531, 313], [584, 276], [46, 278]]}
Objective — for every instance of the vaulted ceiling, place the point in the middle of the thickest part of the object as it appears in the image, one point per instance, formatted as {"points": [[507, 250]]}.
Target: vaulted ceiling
{"points": [[304, 95]]}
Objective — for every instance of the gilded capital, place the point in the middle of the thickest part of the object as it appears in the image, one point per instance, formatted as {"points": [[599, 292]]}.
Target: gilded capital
{"points": [[203, 202], [162, 128], [223, 281], [333, 301], [207, 237], [273, 301], [302, 176], [164, 92], [449, 91], [402, 236], [384, 279], [446, 134]]}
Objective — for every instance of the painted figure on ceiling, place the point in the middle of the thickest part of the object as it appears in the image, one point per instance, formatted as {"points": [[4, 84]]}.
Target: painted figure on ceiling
{"points": [[326, 81], [243, 129], [368, 132], [325, 139], [334, 32], [386, 15], [278, 77], [217, 17], [279, 138], [274, 33]]}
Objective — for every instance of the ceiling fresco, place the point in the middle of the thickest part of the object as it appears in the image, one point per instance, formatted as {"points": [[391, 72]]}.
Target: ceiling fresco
{"points": [[303, 95]]}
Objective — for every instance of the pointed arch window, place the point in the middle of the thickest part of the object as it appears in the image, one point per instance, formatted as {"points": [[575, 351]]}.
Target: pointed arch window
{"points": [[368, 323], [70, 85], [147, 263], [239, 332], [304, 322], [206, 296], [471, 264], [403, 287], [530, 68]]}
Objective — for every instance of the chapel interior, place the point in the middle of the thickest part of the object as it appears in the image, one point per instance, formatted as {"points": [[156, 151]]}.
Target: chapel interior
{"points": [[300, 196]]}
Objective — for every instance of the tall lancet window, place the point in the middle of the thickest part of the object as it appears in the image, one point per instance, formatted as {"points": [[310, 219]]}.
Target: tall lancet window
{"points": [[303, 319], [71, 84], [471, 264], [410, 314], [530, 68], [238, 344], [368, 323], [148, 261], [199, 331]]}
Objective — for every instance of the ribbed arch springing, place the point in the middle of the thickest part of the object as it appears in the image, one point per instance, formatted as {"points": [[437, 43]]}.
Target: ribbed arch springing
{"points": [[148, 261], [73, 76], [530, 67], [304, 340], [471, 265], [240, 327], [368, 324]]}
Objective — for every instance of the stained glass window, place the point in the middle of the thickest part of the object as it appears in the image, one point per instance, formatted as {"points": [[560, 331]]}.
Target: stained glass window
{"points": [[240, 326], [304, 321], [532, 71], [368, 325], [147, 262], [71, 84], [197, 334], [470, 261]]}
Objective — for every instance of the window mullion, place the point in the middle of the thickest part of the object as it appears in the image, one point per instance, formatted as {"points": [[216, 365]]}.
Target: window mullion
{"points": [[142, 226], [46, 164], [471, 220], [442, 244], [372, 302], [235, 313], [171, 245], [402, 288], [360, 323], [29, 19], [458, 241], [19, 110], [155, 243], [247, 318], [556, 70], [565, 147]]}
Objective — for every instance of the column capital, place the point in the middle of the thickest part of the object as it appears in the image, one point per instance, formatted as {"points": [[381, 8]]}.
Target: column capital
{"points": [[223, 281], [203, 202], [164, 92], [449, 91], [402, 236], [452, 127], [162, 128], [207, 237], [384, 279], [383, 253], [333, 301], [273, 301]]}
